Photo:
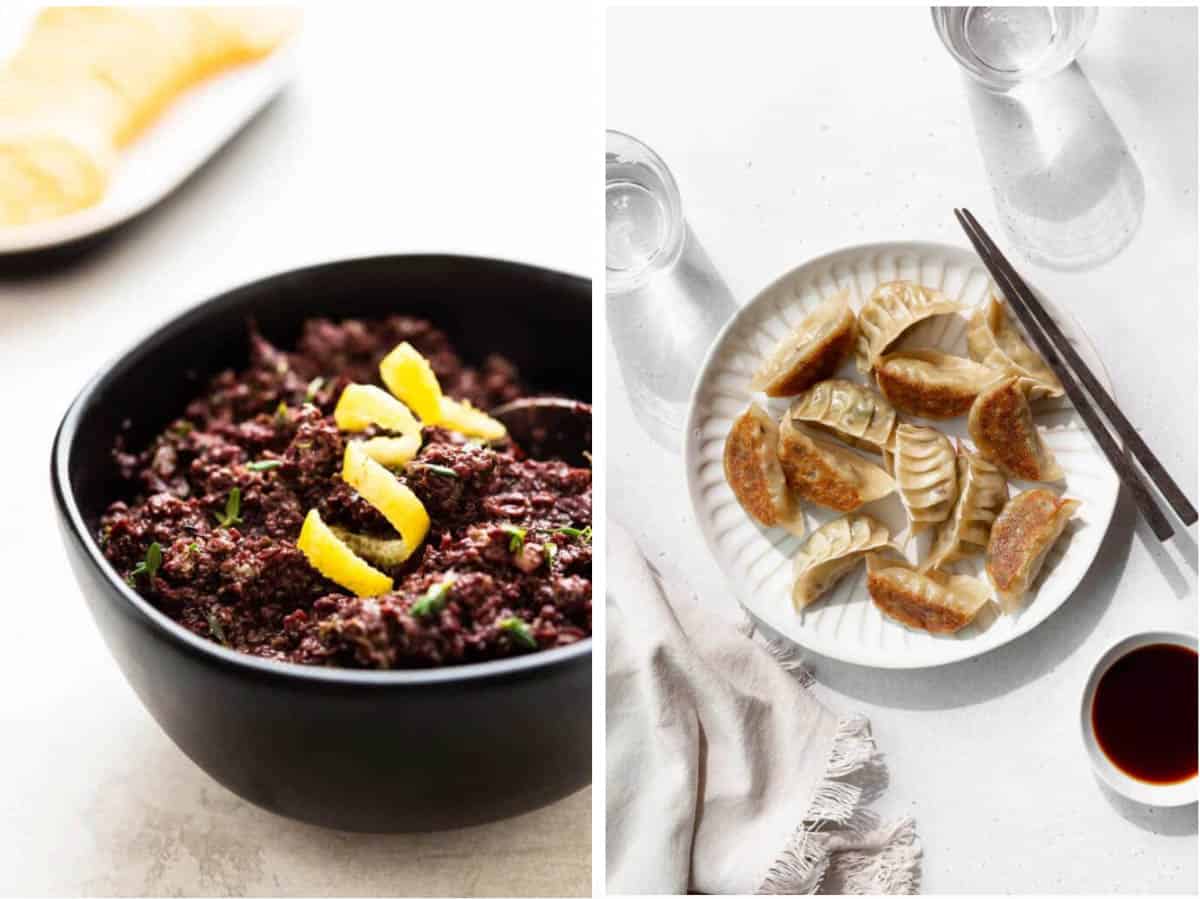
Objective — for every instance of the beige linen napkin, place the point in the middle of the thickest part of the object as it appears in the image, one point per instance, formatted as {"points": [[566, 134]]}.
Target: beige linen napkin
{"points": [[725, 774]]}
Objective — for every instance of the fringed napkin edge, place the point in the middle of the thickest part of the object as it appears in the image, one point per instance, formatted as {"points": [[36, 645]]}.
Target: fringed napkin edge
{"points": [[838, 842]]}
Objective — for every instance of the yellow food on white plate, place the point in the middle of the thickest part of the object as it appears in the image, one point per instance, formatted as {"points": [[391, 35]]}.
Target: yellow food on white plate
{"points": [[334, 559], [379, 487], [88, 81], [239, 34], [409, 376], [47, 170], [466, 419], [145, 56], [30, 100]]}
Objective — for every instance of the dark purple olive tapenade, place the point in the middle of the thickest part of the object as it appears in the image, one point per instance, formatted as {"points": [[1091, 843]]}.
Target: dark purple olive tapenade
{"points": [[210, 534]]}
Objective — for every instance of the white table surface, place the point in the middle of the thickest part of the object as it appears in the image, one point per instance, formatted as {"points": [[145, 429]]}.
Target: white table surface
{"points": [[407, 133], [793, 132]]}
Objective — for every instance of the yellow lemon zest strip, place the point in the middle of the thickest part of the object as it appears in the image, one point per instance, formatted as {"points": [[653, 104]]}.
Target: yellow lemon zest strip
{"points": [[363, 405], [466, 419], [393, 452], [379, 487], [380, 550], [410, 377], [334, 559]]}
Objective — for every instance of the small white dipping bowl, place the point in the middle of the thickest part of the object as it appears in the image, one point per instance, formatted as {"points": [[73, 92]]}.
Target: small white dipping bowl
{"points": [[1138, 790]]}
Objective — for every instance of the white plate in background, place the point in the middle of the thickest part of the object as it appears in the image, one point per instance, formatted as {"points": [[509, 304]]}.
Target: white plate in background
{"points": [[757, 561], [191, 129]]}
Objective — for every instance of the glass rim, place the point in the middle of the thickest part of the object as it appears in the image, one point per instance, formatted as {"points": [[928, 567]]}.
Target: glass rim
{"points": [[620, 146], [996, 80]]}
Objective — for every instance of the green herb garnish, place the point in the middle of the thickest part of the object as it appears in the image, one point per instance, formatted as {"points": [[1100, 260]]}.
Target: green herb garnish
{"points": [[585, 534], [516, 537], [183, 427], [214, 625], [148, 566], [435, 597], [193, 547], [281, 411], [439, 469], [550, 550], [233, 509], [519, 631], [263, 465], [313, 386]]}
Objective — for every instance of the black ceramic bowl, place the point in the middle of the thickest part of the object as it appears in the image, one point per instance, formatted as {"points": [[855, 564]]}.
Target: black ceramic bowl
{"points": [[355, 750]]}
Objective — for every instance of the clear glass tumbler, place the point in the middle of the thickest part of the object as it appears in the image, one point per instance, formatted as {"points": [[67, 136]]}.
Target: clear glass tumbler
{"points": [[666, 302], [1003, 46], [644, 230]]}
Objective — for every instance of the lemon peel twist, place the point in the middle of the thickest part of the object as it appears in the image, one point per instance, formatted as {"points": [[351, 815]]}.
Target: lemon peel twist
{"points": [[366, 466]]}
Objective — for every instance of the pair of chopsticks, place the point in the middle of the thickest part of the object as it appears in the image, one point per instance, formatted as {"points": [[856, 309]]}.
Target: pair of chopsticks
{"points": [[1072, 371]]}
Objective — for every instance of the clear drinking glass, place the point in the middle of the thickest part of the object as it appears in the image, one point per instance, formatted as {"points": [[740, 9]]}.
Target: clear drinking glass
{"points": [[1003, 46], [666, 302], [644, 230]]}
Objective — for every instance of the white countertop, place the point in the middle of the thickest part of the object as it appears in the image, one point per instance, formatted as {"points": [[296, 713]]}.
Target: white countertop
{"points": [[793, 132], [408, 133]]}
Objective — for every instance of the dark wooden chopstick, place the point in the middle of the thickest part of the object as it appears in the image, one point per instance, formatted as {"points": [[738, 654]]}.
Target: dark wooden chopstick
{"points": [[1125, 430], [1050, 344]]}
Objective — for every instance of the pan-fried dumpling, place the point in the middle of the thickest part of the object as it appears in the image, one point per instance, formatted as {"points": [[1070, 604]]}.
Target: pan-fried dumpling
{"points": [[832, 550], [930, 383], [827, 473], [893, 308], [855, 413], [935, 601], [925, 472], [753, 471], [1022, 535], [982, 493], [812, 352], [994, 340], [1001, 424]]}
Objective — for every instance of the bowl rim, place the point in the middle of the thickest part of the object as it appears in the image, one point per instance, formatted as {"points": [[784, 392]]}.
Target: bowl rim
{"points": [[165, 627], [1180, 793]]}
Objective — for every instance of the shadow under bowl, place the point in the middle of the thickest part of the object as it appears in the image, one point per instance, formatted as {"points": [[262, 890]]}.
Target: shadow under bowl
{"points": [[377, 751]]}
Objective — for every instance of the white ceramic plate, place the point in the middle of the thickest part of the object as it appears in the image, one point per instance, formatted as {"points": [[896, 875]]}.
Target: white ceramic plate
{"points": [[192, 129], [757, 562]]}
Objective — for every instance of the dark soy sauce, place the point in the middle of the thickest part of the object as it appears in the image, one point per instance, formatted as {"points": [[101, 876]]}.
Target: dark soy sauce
{"points": [[1144, 713]]}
